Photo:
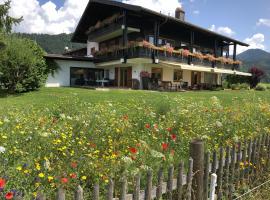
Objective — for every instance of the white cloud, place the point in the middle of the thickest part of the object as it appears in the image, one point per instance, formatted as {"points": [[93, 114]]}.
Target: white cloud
{"points": [[164, 6], [256, 42], [222, 30], [263, 22], [47, 18], [196, 12]]}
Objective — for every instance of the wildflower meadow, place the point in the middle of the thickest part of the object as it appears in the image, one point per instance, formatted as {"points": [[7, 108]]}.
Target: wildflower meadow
{"points": [[71, 140]]}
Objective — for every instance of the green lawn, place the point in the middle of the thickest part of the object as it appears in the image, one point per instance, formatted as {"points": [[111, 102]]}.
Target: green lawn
{"points": [[51, 96]]}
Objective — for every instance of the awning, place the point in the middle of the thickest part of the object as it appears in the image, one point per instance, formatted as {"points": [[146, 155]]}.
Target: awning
{"points": [[200, 68], [188, 67], [243, 73], [224, 71]]}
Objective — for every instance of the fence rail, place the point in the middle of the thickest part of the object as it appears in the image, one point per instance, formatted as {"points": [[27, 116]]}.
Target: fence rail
{"points": [[231, 167]]}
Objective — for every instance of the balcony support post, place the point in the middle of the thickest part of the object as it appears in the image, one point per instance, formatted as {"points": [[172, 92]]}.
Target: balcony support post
{"points": [[215, 53], [221, 51], [156, 39], [191, 46], [125, 36], [234, 55]]}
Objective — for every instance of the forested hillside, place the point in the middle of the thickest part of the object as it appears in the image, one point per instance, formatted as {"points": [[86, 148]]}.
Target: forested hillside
{"points": [[53, 43]]}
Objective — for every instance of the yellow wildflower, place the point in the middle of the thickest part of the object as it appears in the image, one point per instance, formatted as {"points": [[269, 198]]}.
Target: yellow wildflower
{"points": [[19, 168], [41, 175], [84, 177]]}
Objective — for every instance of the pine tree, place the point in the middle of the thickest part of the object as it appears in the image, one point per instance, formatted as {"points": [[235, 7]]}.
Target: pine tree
{"points": [[6, 21]]}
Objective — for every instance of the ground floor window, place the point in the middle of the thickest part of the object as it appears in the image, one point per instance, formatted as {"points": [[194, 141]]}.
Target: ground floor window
{"points": [[156, 73], [85, 76], [210, 78], [177, 75]]}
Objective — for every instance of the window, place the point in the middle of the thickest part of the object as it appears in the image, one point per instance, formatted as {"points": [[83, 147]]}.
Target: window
{"points": [[210, 78], [85, 76], [156, 73], [107, 74], [151, 39], [177, 75]]}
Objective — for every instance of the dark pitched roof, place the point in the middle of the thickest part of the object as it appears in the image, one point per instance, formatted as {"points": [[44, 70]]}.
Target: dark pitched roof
{"points": [[68, 57], [91, 16]]}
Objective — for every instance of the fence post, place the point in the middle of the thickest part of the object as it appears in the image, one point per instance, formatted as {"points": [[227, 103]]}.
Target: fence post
{"points": [[79, 193], [61, 194], [96, 191], [197, 154], [213, 186], [148, 190], [136, 193]]}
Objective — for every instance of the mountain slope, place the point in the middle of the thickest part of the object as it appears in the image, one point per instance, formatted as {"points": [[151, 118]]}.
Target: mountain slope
{"points": [[257, 58], [53, 43]]}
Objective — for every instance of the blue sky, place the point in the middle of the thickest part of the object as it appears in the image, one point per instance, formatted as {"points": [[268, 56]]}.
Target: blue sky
{"points": [[246, 20]]}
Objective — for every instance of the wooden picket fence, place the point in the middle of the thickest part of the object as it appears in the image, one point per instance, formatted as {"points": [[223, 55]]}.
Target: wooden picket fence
{"points": [[242, 164]]}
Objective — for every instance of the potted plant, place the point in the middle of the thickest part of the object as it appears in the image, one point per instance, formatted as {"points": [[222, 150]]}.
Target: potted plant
{"points": [[145, 76]]}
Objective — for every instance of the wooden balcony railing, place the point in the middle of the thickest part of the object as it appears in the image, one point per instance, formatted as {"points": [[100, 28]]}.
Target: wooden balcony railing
{"points": [[147, 50]]}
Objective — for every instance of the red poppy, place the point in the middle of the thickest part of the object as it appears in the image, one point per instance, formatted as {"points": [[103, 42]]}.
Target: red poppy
{"points": [[64, 180], [164, 146], [169, 129], [147, 126], [74, 165], [2, 183], [9, 195], [173, 137], [133, 150], [73, 175]]}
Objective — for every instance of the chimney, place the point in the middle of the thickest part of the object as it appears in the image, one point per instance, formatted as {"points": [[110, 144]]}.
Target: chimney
{"points": [[180, 14]]}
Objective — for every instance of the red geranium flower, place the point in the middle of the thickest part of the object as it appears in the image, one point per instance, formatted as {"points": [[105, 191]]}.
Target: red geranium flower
{"points": [[2, 183], [73, 175], [169, 129], [173, 137], [147, 126], [133, 150], [74, 165], [64, 180], [9, 195], [164, 146]]}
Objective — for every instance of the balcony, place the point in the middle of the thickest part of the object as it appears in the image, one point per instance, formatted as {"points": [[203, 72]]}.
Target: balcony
{"points": [[147, 50], [108, 29]]}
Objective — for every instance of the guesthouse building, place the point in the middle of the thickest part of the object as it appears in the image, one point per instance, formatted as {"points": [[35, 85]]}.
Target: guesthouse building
{"points": [[130, 46]]}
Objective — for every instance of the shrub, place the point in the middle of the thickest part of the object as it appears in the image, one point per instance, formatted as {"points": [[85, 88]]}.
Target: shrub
{"points": [[257, 75], [235, 86], [244, 86], [260, 87], [22, 65]]}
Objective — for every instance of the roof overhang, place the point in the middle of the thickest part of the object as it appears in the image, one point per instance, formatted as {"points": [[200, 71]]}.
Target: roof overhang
{"points": [[98, 9]]}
